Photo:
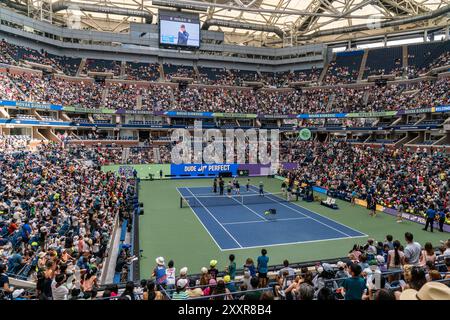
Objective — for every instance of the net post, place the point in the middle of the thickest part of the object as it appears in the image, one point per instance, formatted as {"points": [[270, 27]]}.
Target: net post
{"points": [[181, 202]]}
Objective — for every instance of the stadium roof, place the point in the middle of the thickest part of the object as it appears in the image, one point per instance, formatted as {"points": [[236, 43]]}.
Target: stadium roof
{"points": [[295, 19]]}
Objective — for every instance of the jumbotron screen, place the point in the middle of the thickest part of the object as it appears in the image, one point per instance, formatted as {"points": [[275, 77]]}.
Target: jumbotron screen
{"points": [[179, 29]]}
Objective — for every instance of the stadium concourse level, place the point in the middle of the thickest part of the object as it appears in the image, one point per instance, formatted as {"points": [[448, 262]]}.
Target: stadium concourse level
{"points": [[88, 94], [160, 96]]}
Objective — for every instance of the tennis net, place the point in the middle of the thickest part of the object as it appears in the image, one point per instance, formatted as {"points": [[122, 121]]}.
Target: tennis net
{"points": [[225, 200]]}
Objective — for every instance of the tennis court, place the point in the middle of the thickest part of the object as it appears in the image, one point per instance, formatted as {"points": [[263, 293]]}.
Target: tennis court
{"points": [[240, 222]]}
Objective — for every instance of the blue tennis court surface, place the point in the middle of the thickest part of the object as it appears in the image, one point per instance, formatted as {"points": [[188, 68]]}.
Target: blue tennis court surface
{"points": [[244, 225]]}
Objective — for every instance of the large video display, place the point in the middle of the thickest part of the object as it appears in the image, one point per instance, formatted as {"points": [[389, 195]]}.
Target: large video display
{"points": [[179, 29]]}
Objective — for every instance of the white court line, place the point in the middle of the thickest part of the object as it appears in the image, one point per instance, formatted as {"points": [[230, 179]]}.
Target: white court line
{"points": [[201, 222], [253, 211], [295, 210], [258, 221], [291, 243], [296, 204], [366, 235], [207, 210]]}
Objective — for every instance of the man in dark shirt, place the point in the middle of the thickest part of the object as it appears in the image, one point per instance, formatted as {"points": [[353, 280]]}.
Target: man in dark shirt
{"points": [[253, 295], [431, 214], [441, 220], [4, 280], [183, 36], [221, 186]]}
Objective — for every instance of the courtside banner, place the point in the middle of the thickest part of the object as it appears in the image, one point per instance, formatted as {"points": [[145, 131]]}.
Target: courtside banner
{"points": [[30, 105], [202, 169]]}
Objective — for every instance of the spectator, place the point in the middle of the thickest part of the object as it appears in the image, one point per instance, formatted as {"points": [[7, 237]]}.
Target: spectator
{"points": [[430, 291], [384, 295], [250, 266], [412, 250], [427, 255], [59, 289], [213, 272], [170, 275], [253, 294], [151, 293], [290, 271], [128, 293], [221, 291], [262, 267], [231, 269], [159, 272], [355, 285]]}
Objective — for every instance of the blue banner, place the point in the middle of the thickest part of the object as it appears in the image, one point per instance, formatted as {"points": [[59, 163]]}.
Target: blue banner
{"points": [[203, 169], [31, 105]]}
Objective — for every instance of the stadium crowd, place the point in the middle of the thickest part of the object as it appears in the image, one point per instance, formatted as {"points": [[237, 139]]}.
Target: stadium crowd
{"points": [[399, 178], [27, 87], [377, 270], [56, 217]]}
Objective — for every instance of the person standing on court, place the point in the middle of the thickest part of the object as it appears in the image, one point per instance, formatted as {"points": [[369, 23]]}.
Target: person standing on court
{"points": [[237, 187], [262, 268], [215, 185], [160, 174], [441, 219], [221, 186], [248, 185], [229, 188], [431, 215], [261, 188], [297, 193]]}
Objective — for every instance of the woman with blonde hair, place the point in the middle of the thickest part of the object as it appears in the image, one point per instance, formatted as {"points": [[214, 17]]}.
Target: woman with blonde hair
{"points": [[205, 277]]}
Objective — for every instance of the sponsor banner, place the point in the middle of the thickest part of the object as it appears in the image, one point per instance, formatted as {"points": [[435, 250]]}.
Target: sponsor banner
{"points": [[188, 114], [156, 126], [88, 110], [371, 114], [123, 111], [7, 103], [34, 122], [320, 189], [234, 115], [47, 106], [202, 169], [321, 115], [276, 116], [406, 216], [254, 169], [30, 105], [442, 108], [415, 218], [412, 111]]}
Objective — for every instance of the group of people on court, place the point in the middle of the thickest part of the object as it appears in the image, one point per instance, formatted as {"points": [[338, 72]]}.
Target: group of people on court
{"points": [[233, 186], [290, 191]]}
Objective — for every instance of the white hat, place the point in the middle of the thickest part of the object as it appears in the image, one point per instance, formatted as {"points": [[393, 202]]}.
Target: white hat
{"points": [[183, 270], [160, 261], [182, 283], [380, 259], [204, 270]]}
